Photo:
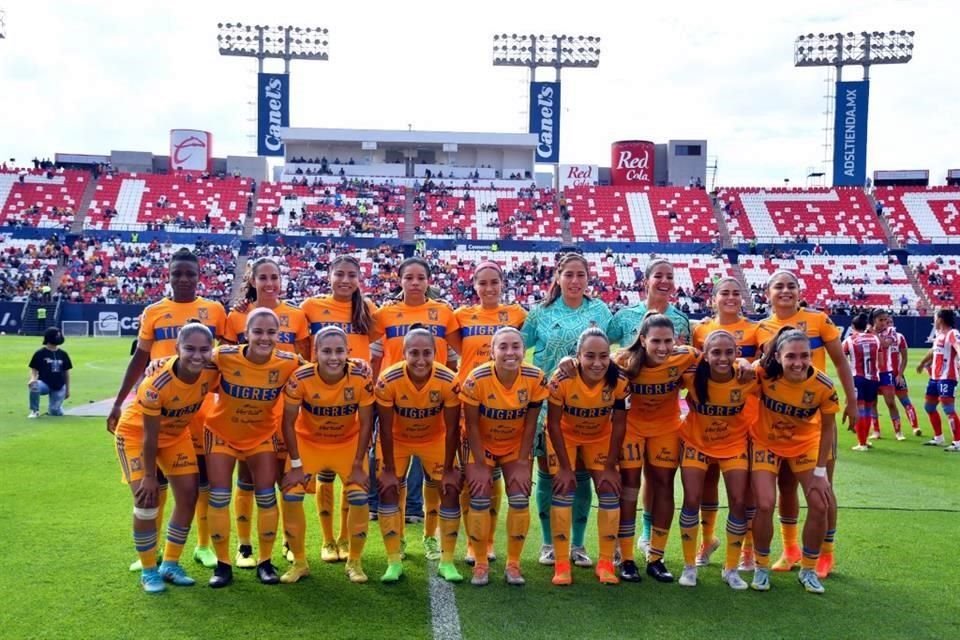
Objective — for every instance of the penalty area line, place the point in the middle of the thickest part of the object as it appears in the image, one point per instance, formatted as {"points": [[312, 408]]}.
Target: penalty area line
{"points": [[444, 617]]}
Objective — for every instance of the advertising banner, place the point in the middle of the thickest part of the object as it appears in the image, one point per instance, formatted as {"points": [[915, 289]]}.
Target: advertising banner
{"points": [[578, 175], [632, 162], [273, 112], [190, 150], [850, 134], [545, 120]]}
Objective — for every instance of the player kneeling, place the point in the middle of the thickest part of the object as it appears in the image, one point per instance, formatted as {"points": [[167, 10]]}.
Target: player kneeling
{"points": [[153, 432], [501, 402], [327, 421]]}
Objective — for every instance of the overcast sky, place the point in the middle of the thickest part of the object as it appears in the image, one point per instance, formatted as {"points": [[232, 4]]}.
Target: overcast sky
{"points": [[90, 77]]}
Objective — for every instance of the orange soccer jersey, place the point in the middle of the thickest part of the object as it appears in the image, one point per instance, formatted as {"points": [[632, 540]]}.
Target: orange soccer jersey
{"points": [[161, 323], [719, 426], [744, 333], [418, 413], [477, 326], [246, 412], [789, 423], [817, 325], [655, 400], [503, 410], [393, 322], [165, 395], [323, 311], [293, 327], [329, 414], [587, 411]]}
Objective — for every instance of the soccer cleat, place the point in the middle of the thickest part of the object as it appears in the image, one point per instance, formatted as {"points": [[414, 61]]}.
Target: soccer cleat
{"points": [[824, 565], [953, 448], [747, 561], [36, 414], [875, 435], [343, 549], [468, 557], [580, 558], [448, 571], [659, 572], [512, 575], [431, 548], [481, 575], [222, 576], [688, 577], [860, 447], [296, 571], [245, 559], [288, 552], [643, 545], [606, 572], [706, 550], [173, 573], [403, 548], [617, 556], [546, 555], [917, 432], [788, 560], [393, 572], [561, 574], [205, 556], [811, 583], [901, 437], [152, 582], [761, 580], [355, 572], [267, 573], [413, 519], [329, 552], [733, 580], [629, 572], [135, 566], [934, 442]]}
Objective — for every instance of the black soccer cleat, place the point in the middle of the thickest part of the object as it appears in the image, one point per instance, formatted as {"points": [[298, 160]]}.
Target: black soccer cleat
{"points": [[222, 576], [659, 572], [267, 574], [629, 571]]}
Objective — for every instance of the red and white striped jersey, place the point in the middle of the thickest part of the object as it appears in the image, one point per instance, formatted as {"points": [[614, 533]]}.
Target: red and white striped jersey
{"points": [[946, 347], [890, 356], [863, 352]]}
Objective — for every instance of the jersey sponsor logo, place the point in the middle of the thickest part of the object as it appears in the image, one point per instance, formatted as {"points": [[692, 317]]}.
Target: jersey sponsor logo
{"points": [[152, 395], [273, 377], [330, 412], [250, 393], [707, 409], [183, 461], [434, 396], [787, 409], [502, 414], [478, 330], [348, 394], [578, 412], [523, 396], [653, 389], [417, 414]]}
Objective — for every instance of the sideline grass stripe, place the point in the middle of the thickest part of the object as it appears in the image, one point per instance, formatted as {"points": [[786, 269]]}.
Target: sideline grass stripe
{"points": [[444, 617]]}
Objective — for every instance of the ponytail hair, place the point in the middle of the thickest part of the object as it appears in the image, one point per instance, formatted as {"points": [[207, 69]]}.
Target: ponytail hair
{"points": [[326, 332], [554, 293], [251, 292], [612, 374], [634, 357], [418, 329], [194, 326], [701, 377], [771, 366], [860, 322], [360, 318]]}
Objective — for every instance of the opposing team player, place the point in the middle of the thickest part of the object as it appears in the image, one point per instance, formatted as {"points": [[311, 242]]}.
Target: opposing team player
{"points": [[893, 364], [863, 350], [501, 402], [942, 360]]}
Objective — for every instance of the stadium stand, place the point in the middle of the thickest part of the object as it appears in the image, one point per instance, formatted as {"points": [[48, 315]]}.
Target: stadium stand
{"points": [[922, 214], [26, 266], [939, 277], [46, 199]]}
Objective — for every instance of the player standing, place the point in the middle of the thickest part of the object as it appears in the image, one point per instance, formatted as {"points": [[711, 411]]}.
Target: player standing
{"points": [[863, 350], [942, 360]]}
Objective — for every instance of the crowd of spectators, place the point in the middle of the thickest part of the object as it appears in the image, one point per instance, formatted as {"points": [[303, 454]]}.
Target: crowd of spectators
{"points": [[27, 269]]}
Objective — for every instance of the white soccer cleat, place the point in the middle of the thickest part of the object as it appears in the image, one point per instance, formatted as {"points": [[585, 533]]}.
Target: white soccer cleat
{"points": [[733, 580], [901, 437], [546, 555], [688, 578]]}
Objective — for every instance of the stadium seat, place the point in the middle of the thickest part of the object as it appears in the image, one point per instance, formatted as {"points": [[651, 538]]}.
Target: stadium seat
{"points": [[922, 215]]}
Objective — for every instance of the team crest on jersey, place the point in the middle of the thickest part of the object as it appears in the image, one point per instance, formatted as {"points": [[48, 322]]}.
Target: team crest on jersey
{"points": [[608, 395], [274, 377], [673, 372], [434, 397], [348, 394], [736, 395], [738, 335], [433, 314], [808, 397], [503, 316], [284, 321], [523, 396], [203, 314], [802, 326], [136, 464], [204, 387]]}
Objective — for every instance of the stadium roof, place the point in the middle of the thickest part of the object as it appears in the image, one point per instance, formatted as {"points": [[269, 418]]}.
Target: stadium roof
{"points": [[386, 136]]}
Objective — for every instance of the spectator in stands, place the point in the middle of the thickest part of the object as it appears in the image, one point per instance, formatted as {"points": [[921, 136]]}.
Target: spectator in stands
{"points": [[49, 374]]}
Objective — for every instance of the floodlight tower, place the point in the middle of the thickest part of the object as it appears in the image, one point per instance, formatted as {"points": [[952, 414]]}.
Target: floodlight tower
{"points": [[282, 42], [841, 50], [540, 50]]}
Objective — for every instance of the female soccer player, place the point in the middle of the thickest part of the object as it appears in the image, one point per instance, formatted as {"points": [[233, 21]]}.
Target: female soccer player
{"points": [[863, 350], [501, 402], [160, 325], [654, 365], [783, 292], [942, 360], [552, 329], [263, 292], [477, 324], [893, 363], [587, 419], [715, 433], [728, 307], [347, 308], [419, 411], [796, 428], [152, 433], [243, 426], [327, 422]]}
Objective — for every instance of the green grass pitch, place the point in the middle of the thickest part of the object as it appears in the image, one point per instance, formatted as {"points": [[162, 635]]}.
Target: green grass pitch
{"points": [[65, 543]]}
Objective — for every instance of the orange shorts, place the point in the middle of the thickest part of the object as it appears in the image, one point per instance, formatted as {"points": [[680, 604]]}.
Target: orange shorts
{"points": [[215, 444], [430, 454], [694, 458], [593, 455], [337, 458], [197, 424], [177, 459], [657, 451], [766, 460]]}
